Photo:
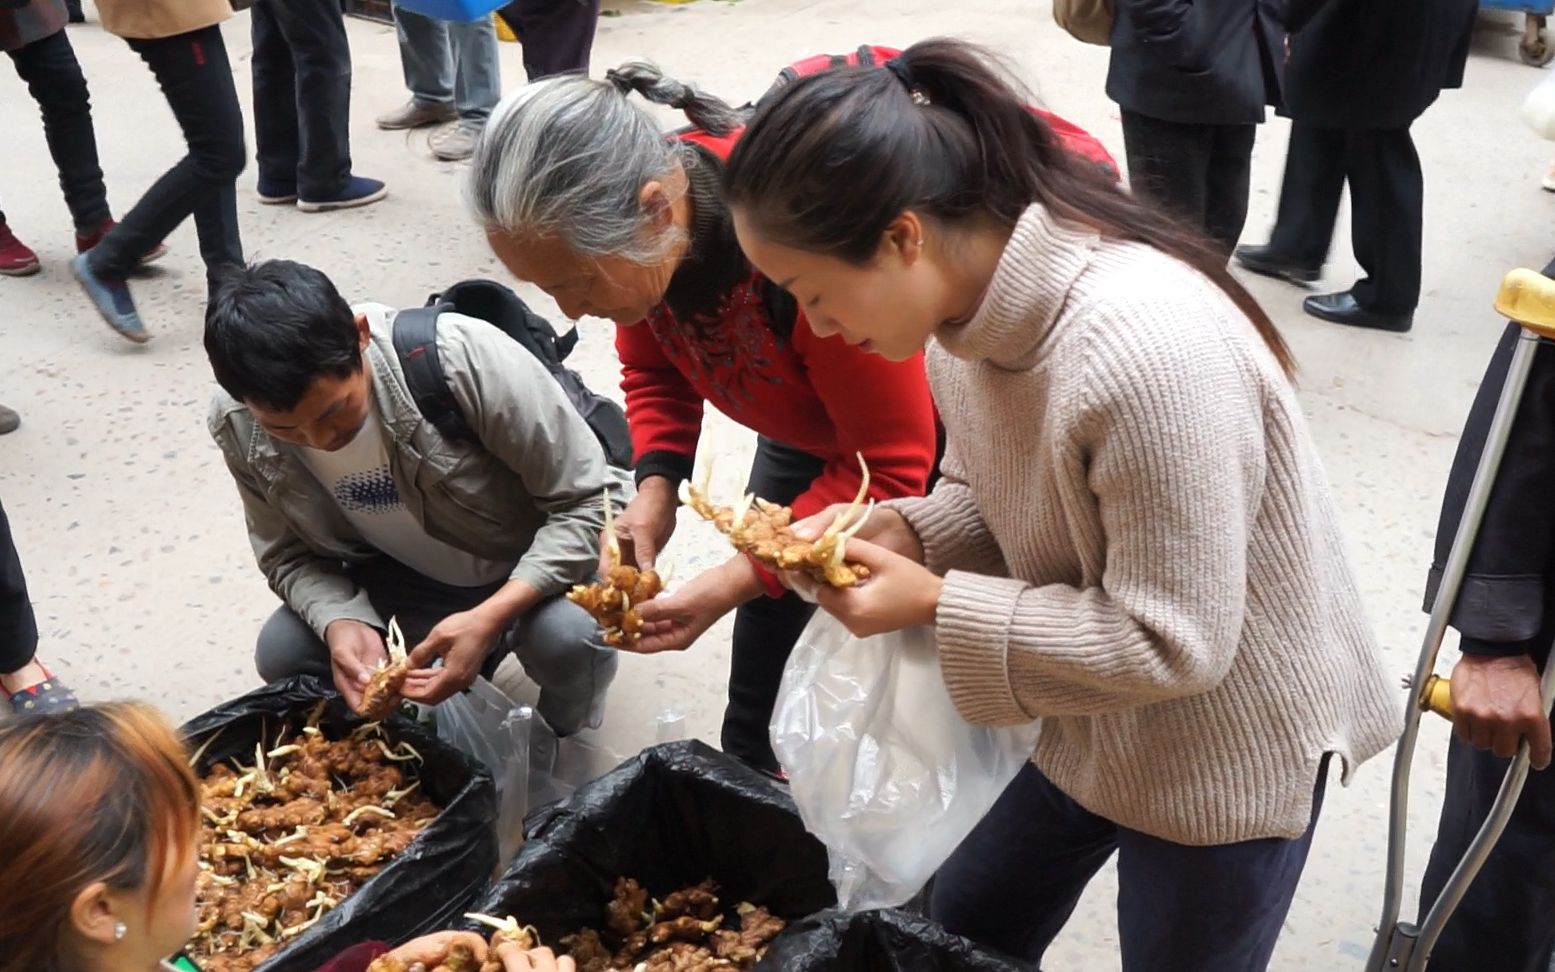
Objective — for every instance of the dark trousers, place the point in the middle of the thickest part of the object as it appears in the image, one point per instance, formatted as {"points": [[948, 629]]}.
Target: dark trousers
{"points": [[54, 78], [1201, 172], [18, 625], [196, 78], [1387, 199], [1015, 880], [1506, 921], [302, 95], [765, 629], [557, 34]]}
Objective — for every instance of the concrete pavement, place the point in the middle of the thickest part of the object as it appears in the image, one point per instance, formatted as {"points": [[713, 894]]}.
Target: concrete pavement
{"points": [[134, 541]]}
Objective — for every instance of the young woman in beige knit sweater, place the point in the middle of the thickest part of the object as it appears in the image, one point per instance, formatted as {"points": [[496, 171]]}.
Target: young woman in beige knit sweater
{"points": [[1134, 541]]}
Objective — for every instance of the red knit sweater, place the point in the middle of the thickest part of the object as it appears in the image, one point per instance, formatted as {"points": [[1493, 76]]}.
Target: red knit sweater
{"points": [[724, 335]]}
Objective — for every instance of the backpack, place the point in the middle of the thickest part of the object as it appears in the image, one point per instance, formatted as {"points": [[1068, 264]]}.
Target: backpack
{"points": [[1087, 20], [415, 341]]}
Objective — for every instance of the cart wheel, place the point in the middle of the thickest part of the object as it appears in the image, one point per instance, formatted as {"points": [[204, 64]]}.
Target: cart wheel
{"points": [[1535, 48]]}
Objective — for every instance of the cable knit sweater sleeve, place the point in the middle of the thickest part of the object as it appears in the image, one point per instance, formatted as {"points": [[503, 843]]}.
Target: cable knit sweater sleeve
{"points": [[1158, 438]]}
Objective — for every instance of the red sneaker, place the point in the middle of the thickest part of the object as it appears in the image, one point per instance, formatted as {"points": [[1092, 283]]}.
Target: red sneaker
{"points": [[84, 243], [16, 257]]}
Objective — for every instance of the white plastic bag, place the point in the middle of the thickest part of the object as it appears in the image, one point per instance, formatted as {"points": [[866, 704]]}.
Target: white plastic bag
{"points": [[486, 725], [1538, 110], [883, 768]]}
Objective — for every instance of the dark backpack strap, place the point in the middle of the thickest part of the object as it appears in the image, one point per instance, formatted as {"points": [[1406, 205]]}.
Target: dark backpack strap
{"points": [[415, 341], [866, 55]]}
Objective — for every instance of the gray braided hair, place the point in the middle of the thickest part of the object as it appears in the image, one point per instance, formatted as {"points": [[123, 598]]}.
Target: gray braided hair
{"points": [[567, 158]]}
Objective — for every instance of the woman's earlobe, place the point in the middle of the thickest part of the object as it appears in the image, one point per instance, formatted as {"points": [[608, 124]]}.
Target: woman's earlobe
{"points": [[905, 236], [92, 916], [655, 202]]}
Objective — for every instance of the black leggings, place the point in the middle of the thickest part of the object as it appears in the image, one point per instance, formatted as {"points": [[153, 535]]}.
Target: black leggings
{"points": [[766, 629], [18, 626], [54, 78], [196, 78]]}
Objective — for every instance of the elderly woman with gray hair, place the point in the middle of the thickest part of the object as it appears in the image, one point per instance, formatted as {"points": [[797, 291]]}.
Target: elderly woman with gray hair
{"points": [[581, 194]]}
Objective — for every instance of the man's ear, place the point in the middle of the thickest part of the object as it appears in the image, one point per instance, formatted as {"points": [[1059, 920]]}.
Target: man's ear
{"points": [[364, 333]]}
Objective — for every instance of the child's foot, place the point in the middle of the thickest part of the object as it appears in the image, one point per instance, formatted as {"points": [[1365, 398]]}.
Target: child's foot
{"points": [[34, 689]]}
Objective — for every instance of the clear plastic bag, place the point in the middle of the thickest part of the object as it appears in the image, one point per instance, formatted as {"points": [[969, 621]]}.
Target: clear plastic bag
{"points": [[1538, 110], [884, 770], [486, 725]]}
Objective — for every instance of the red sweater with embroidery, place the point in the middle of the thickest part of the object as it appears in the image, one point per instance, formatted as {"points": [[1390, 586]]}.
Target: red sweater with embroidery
{"points": [[725, 335]]}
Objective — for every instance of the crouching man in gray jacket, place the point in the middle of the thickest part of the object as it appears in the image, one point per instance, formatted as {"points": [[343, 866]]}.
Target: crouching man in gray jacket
{"points": [[359, 510]]}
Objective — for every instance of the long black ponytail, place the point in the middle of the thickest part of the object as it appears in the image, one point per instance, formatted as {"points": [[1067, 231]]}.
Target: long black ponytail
{"points": [[828, 162]]}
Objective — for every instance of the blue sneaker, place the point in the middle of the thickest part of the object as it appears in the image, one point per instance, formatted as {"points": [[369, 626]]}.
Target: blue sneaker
{"points": [[112, 300], [274, 192], [358, 191]]}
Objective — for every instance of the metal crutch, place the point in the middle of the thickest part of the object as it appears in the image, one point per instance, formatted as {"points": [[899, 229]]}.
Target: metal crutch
{"points": [[1528, 298]]}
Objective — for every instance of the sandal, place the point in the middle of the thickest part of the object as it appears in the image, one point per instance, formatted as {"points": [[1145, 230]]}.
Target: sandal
{"points": [[49, 697]]}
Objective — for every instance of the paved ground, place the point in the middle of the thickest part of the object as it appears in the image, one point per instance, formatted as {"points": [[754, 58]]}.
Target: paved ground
{"points": [[131, 531]]}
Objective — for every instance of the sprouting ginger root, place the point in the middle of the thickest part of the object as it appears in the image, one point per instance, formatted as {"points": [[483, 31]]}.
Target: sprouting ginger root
{"points": [[683, 933], [627, 913], [764, 531], [612, 602], [287, 839], [700, 901], [505, 930], [458, 958], [383, 690]]}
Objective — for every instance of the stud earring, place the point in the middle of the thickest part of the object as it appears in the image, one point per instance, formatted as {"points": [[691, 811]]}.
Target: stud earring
{"points": [[119, 931]]}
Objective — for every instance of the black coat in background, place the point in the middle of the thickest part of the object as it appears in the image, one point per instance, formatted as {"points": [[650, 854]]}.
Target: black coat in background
{"points": [[18, 626], [1202, 62], [1506, 607], [1507, 603], [1376, 64]]}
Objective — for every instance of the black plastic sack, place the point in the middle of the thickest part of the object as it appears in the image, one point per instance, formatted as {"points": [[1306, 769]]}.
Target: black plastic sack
{"points": [[878, 941], [670, 817], [425, 889]]}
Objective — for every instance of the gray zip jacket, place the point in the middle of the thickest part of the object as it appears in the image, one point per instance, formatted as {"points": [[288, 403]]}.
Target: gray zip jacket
{"points": [[532, 489]]}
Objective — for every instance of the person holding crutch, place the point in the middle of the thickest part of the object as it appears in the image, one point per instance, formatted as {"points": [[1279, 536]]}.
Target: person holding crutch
{"points": [[1504, 616]]}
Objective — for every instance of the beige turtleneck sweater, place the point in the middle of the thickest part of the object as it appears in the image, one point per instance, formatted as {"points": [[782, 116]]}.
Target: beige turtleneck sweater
{"points": [[1140, 547]]}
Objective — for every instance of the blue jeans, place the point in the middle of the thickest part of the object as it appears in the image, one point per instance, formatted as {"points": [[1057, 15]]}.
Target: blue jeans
{"points": [[446, 62], [556, 642], [1015, 880]]}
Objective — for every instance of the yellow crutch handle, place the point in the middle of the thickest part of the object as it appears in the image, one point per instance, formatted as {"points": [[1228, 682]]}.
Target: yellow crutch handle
{"points": [[1437, 696], [1528, 297]]}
